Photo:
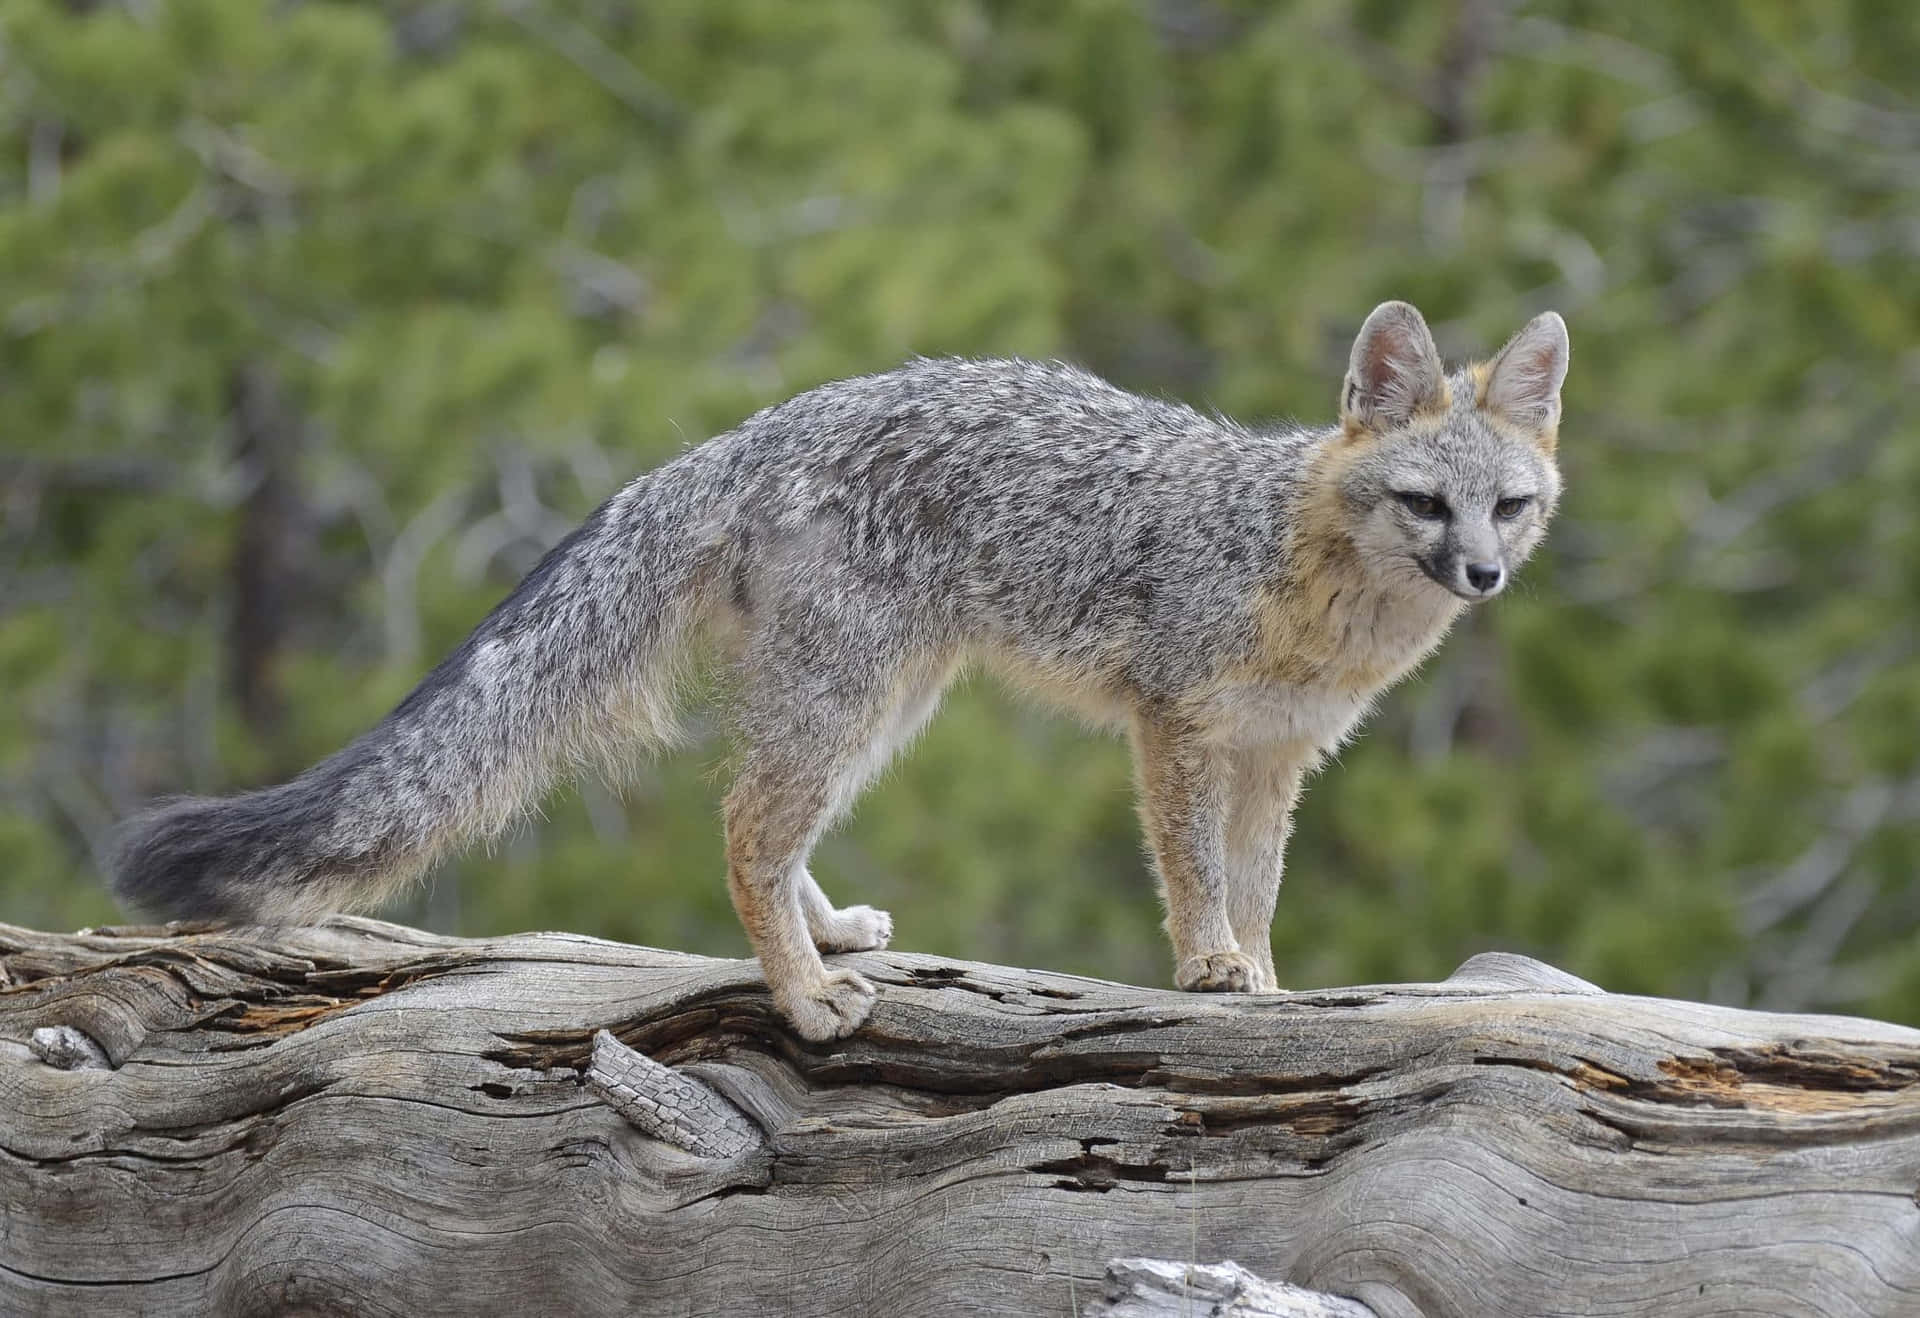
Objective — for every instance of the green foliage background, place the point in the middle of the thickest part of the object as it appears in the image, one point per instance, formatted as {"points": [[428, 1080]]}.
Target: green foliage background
{"points": [[319, 322]]}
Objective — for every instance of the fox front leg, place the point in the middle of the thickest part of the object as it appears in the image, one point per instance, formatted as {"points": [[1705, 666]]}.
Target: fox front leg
{"points": [[1265, 785], [1185, 792]]}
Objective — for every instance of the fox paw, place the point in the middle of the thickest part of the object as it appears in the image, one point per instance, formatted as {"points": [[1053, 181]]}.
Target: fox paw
{"points": [[1221, 972], [855, 929], [831, 1009]]}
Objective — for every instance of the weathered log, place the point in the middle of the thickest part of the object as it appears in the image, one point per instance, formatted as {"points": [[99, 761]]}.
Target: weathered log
{"points": [[361, 1118]]}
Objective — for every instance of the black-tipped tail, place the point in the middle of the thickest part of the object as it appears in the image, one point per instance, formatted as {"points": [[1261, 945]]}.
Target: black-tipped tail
{"points": [[578, 660], [256, 858]]}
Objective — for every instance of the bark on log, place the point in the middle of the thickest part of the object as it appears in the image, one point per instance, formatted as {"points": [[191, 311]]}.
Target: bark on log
{"points": [[361, 1118]]}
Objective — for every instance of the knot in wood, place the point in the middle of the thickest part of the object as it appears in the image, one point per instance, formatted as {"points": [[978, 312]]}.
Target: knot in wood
{"points": [[1511, 971], [1162, 1288], [68, 1049]]}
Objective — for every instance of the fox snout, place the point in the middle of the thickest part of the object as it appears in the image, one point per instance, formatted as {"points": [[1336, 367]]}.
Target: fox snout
{"points": [[1484, 578], [1468, 577], [1465, 550]]}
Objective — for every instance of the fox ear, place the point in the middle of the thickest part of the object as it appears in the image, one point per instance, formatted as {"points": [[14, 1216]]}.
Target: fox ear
{"points": [[1394, 373], [1522, 383]]}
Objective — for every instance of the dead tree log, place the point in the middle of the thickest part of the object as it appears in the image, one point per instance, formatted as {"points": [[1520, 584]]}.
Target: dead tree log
{"points": [[361, 1118]]}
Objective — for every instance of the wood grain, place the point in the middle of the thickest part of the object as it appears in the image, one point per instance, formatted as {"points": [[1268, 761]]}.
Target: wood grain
{"points": [[360, 1118]]}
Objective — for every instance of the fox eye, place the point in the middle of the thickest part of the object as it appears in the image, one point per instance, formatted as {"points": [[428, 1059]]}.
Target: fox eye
{"points": [[1424, 505], [1508, 509]]}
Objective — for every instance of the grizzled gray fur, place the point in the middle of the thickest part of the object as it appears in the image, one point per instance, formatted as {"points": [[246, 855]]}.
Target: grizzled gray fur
{"points": [[1233, 599]]}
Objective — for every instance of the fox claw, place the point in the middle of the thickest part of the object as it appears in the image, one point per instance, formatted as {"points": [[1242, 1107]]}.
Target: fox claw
{"points": [[831, 1009], [1220, 972]]}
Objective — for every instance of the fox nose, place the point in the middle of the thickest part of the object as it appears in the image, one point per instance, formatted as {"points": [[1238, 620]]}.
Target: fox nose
{"points": [[1485, 577]]}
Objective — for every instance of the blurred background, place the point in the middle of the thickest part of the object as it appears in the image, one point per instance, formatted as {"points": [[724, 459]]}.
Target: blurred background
{"points": [[320, 322]]}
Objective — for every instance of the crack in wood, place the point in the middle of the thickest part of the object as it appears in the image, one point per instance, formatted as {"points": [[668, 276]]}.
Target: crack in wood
{"points": [[1091, 1170]]}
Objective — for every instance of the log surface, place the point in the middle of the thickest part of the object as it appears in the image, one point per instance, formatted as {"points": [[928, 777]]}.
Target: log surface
{"points": [[360, 1118]]}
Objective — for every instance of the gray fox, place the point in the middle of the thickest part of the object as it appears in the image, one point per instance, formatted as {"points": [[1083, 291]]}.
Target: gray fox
{"points": [[1231, 598]]}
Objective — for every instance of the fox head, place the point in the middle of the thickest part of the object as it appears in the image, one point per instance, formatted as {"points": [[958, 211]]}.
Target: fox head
{"points": [[1450, 479]]}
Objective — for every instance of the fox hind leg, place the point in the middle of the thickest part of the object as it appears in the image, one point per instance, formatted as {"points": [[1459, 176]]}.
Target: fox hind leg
{"points": [[775, 811], [813, 739], [842, 928], [914, 698]]}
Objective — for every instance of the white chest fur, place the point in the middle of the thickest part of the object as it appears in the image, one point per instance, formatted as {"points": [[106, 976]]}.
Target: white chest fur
{"points": [[1326, 659], [1313, 716]]}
